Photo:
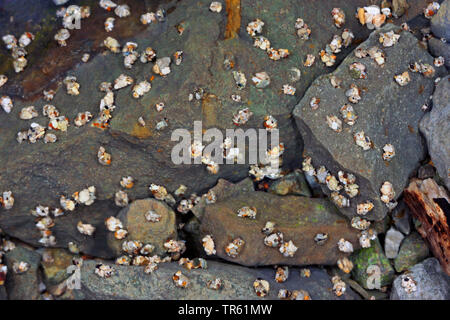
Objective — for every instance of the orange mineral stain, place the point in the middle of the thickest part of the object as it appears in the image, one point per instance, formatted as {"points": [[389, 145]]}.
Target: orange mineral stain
{"points": [[140, 131], [233, 8]]}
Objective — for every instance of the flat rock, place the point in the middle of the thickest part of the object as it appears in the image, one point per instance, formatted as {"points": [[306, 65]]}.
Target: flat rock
{"points": [[223, 190], [386, 114], [155, 233], [435, 126], [24, 286], [131, 282], [431, 283], [412, 251], [440, 23], [298, 218]]}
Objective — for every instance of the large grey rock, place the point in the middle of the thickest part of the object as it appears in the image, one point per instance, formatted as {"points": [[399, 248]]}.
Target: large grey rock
{"points": [[39, 173], [435, 126], [386, 113], [438, 48], [300, 219], [23, 286], [431, 282], [440, 23], [130, 282]]}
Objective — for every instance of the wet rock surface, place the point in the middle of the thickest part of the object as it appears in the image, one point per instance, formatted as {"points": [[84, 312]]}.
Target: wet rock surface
{"points": [[401, 218], [23, 286], [440, 24], [412, 251], [291, 184], [144, 152], [54, 265], [133, 283], [155, 233], [373, 256], [223, 190], [38, 174], [385, 112], [440, 49], [300, 219], [432, 283], [435, 126]]}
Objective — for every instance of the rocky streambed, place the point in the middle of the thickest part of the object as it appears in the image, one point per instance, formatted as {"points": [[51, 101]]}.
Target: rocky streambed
{"points": [[94, 207]]}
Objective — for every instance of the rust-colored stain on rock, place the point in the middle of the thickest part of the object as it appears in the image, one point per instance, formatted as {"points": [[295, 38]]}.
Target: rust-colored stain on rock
{"points": [[209, 105], [233, 8], [140, 131]]}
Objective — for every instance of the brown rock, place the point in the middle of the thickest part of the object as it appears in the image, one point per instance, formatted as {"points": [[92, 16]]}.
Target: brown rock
{"points": [[223, 189], [55, 269], [298, 218], [399, 7], [134, 221]]}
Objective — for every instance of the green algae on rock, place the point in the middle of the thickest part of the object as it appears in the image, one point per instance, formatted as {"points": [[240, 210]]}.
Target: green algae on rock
{"points": [[412, 251], [369, 257]]}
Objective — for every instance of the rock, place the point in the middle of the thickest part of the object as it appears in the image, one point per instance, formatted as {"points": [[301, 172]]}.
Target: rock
{"points": [[24, 286], [155, 233], [399, 7], [385, 113], [438, 48], [429, 203], [392, 243], [223, 190], [143, 152], [65, 229], [130, 282], [291, 184], [402, 218], [426, 171], [3, 293], [435, 126], [298, 218], [314, 186], [412, 251], [373, 256], [55, 270], [431, 283], [440, 23]]}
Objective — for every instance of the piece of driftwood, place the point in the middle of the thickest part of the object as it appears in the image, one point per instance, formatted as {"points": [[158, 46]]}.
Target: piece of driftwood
{"points": [[430, 204]]}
